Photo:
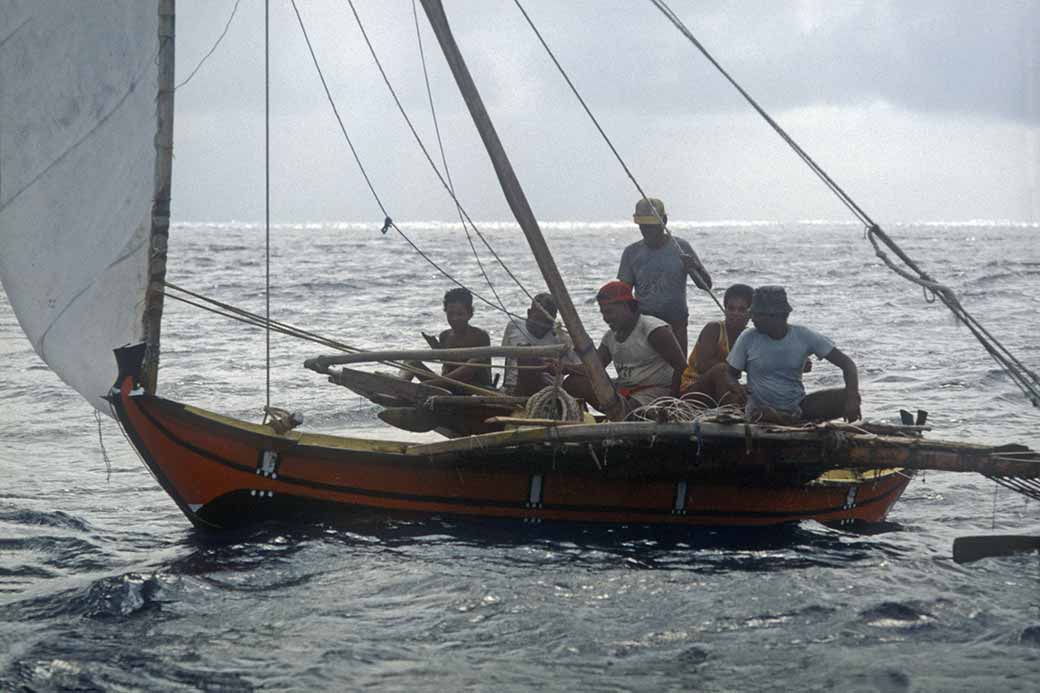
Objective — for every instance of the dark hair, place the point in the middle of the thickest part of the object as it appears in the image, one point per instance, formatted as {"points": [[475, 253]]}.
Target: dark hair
{"points": [[738, 291], [547, 302], [459, 295]]}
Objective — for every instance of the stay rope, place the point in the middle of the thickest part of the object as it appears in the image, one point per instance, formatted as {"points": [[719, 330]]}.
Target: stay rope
{"points": [[1026, 379], [231, 312], [603, 134], [388, 221], [444, 160], [426, 153], [213, 48], [267, 194]]}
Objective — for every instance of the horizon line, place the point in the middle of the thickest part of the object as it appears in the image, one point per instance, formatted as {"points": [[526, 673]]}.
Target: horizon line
{"points": [[619, 224]]}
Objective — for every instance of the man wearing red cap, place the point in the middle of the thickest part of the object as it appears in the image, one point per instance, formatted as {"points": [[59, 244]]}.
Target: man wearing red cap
{"points": [[657, 267], [643, 349]]}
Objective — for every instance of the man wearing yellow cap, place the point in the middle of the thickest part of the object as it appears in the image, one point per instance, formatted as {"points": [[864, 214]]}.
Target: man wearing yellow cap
{"points": [[657, 267]]}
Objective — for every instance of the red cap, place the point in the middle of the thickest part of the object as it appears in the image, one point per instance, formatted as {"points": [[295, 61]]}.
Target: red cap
{"points": [[616, 291]]}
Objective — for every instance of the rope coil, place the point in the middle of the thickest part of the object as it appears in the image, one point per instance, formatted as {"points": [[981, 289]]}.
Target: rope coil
{"points": [[552, 402]]}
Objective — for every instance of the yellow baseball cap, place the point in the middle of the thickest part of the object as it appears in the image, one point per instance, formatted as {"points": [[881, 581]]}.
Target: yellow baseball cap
{"points": [[645, 211]]}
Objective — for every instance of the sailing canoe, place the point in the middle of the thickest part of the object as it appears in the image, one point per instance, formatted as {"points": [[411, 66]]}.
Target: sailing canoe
{"points": [[223, 472]]}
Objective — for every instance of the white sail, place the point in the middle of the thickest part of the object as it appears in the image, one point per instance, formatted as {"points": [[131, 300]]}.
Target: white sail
{"points": [[78, 178]]}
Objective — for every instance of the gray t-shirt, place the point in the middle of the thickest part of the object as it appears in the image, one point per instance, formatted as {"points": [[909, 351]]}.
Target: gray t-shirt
{"points": [[774, 366], [516, 334], [659, 278]]}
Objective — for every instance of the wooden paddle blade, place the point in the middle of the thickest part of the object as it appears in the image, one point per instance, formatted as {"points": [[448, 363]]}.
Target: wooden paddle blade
{"points": [[409, 419], [968, 549]]}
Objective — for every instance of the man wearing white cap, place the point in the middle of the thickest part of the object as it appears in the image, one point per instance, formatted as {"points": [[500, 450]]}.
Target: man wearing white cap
{"points": [[657, 267]]}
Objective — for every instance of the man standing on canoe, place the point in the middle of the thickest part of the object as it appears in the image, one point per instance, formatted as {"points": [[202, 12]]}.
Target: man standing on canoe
{"points": [[657, 267], [773, 353]]}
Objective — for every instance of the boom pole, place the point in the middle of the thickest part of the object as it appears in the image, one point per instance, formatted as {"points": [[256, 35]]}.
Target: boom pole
{"points": [[583, 346]]}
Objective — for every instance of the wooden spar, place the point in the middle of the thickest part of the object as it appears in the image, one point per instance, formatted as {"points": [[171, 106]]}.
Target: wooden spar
{"points": [[160, 231], [856, 451], [384, 389], [583, 346], [456, 354], [454, 401], [365, 383]]}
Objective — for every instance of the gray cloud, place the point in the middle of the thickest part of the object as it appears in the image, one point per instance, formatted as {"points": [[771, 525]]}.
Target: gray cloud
{"points": [[890, 75]]}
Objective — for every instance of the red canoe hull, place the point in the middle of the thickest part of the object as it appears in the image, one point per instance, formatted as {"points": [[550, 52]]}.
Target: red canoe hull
{"points": [[223, 472]]}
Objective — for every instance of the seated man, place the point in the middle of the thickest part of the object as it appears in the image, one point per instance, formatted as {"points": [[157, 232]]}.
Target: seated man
{"points": [[536, 330], [773, 353], [705, 378], [644, 351], [458, 309]]}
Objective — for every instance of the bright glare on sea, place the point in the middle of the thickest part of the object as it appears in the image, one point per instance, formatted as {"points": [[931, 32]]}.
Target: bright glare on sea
{"points": [[104, 585]]}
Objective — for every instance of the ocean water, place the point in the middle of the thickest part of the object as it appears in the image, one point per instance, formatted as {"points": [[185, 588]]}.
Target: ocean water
{"points": [[104, 585]]}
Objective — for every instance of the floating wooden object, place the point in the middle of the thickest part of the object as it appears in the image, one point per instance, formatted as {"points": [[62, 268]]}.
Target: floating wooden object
{"points": [[969, 549]]}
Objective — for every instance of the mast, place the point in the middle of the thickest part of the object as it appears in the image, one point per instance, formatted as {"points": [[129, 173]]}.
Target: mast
{"points": [[583, 346], [160, 231]]}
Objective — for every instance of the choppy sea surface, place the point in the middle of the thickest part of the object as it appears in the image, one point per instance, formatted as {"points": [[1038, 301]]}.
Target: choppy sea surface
{"points": [[104, 585]]}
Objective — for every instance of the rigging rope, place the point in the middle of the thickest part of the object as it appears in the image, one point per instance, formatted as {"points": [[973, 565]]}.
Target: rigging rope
{"points": [[388, 223], [603, 134], [241, 315], [444, 158], [213, 49], [425, 151], [267, 191], [1026, 379]]}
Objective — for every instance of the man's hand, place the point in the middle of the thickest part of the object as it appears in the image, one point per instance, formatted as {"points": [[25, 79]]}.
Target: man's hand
{"points": [[807, 366], [852, 412], [737, 395], [697, 273]]}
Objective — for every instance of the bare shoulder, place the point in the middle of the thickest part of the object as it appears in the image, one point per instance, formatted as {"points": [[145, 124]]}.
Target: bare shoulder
{"points": [[710, 331]]}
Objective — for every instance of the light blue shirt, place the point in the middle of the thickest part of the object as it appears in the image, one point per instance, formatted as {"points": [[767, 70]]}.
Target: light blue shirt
{"points": [[774, 366]]}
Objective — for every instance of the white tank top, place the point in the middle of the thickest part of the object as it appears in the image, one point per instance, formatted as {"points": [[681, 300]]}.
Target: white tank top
{"points": [[637, 362]]}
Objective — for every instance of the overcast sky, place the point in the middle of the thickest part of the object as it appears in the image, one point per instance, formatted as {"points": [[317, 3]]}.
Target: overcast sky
{"points": [[920, 109]]}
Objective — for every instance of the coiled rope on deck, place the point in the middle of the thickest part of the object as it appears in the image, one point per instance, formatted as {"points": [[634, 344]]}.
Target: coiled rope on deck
{"points": [[553, 402]]}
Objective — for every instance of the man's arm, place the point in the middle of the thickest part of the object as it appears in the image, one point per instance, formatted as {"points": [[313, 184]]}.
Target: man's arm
{"points": [[693, 266], [626, 272], [851, 375], [667, 346]]}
